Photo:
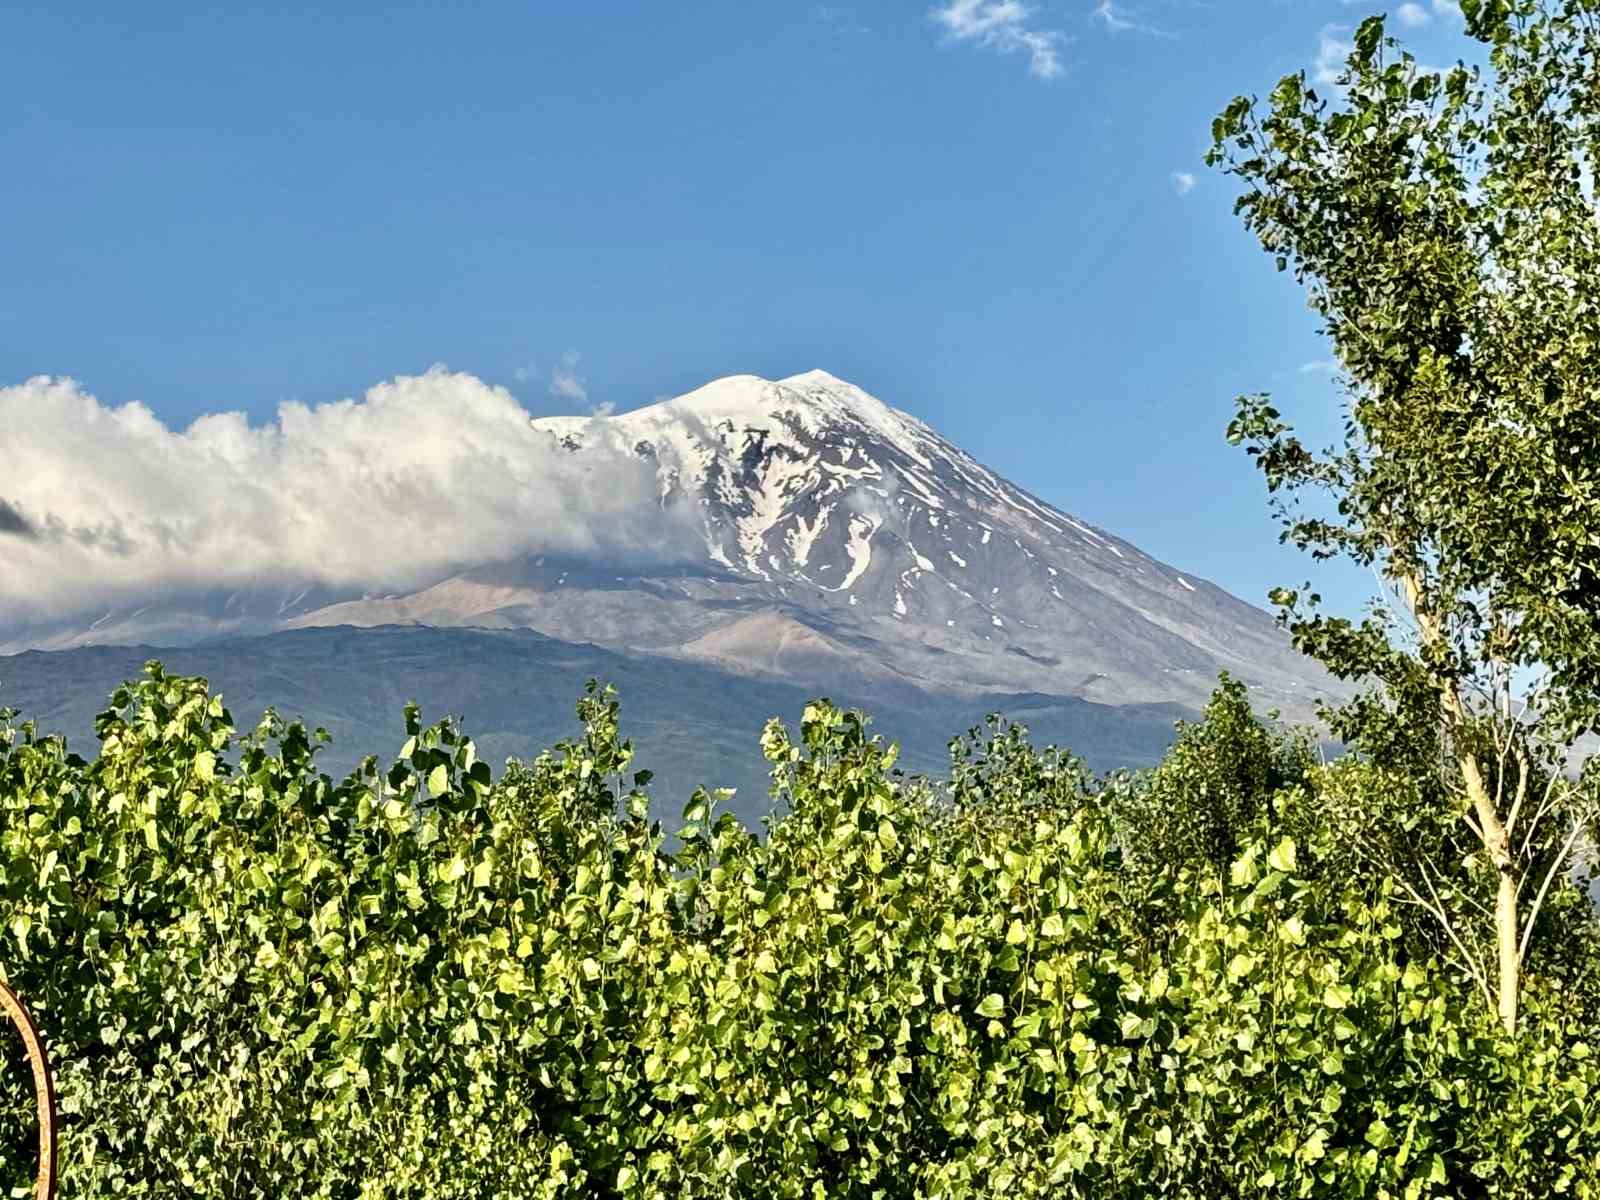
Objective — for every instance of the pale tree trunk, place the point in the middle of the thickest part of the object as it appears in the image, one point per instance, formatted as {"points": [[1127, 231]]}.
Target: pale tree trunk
{"points": [[1505, 936], [1490, 829], [1506, 929]]}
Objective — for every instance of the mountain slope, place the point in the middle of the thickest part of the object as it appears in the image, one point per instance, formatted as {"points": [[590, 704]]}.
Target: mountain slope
{"points": [[691, 724], [833, 521]]}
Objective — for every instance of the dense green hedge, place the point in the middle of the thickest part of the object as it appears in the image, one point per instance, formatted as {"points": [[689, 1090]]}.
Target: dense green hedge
{"points": [[422, 982]]}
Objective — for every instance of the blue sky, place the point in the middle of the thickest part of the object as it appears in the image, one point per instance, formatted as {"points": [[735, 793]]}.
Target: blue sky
{"points": [[994, 215]]}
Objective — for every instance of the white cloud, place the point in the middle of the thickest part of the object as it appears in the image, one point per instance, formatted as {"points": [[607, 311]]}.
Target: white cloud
{"points": [[1183, 182], [1321, 366], [564, 381], [1120, 20], [1331, 53], [1450, 9], [422, 475], [839, 20], [1115, 22], [1413, 14], [1006, 26]]}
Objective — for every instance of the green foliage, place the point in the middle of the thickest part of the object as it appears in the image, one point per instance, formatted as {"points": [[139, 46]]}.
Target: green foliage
{"points": [[1218, 780], [1443, 226], [422, 982]]}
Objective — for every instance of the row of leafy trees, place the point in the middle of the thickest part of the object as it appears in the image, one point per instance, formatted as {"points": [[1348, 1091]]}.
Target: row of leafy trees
{"points": [[422, 981]]}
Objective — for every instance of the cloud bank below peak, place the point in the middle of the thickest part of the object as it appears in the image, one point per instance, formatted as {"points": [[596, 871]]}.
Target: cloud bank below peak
{"points": [[421, 475]]}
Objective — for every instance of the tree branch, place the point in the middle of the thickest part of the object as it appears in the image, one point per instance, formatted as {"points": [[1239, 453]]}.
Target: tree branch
{"points": [[1437, 909], [1549, 875], [1539, 815], [1522, 786]]}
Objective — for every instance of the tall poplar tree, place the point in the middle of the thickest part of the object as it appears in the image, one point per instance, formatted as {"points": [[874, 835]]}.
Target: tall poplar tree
{"points": [[1443, 224]]}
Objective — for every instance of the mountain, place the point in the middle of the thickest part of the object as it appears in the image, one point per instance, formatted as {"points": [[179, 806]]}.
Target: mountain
{"points": [[845, 539], [840, 546]]}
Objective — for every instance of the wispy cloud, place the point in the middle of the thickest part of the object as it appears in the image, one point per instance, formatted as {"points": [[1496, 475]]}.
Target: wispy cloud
{"points": [[1183, 182], [1332, 50], [392, 489], [1118, 19], [1115, 22], [565, 383], [1006, 26], [1412, 13], [839, 20], [1320, 366]]}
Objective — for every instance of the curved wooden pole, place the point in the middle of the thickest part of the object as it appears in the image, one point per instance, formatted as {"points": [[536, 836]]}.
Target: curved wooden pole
{"points": [[44, 1087]]}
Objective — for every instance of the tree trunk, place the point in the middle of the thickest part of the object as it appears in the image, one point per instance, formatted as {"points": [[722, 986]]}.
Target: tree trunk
{"points": [[1498, 843], [1505, 936], [1490, 827]]}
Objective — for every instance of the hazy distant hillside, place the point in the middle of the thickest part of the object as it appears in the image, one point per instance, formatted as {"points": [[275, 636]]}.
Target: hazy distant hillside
{"points": [[691, 724]]}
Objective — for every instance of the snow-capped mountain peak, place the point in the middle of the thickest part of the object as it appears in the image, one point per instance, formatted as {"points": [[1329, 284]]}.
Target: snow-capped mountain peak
{"points": [[816, 495], [772, 462], [839, 538], [808, 404]]}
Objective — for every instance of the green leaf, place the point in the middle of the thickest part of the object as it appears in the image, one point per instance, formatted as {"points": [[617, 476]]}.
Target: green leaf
{"points": [[1244, 871], [1368, 34], [1282, 857]]}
